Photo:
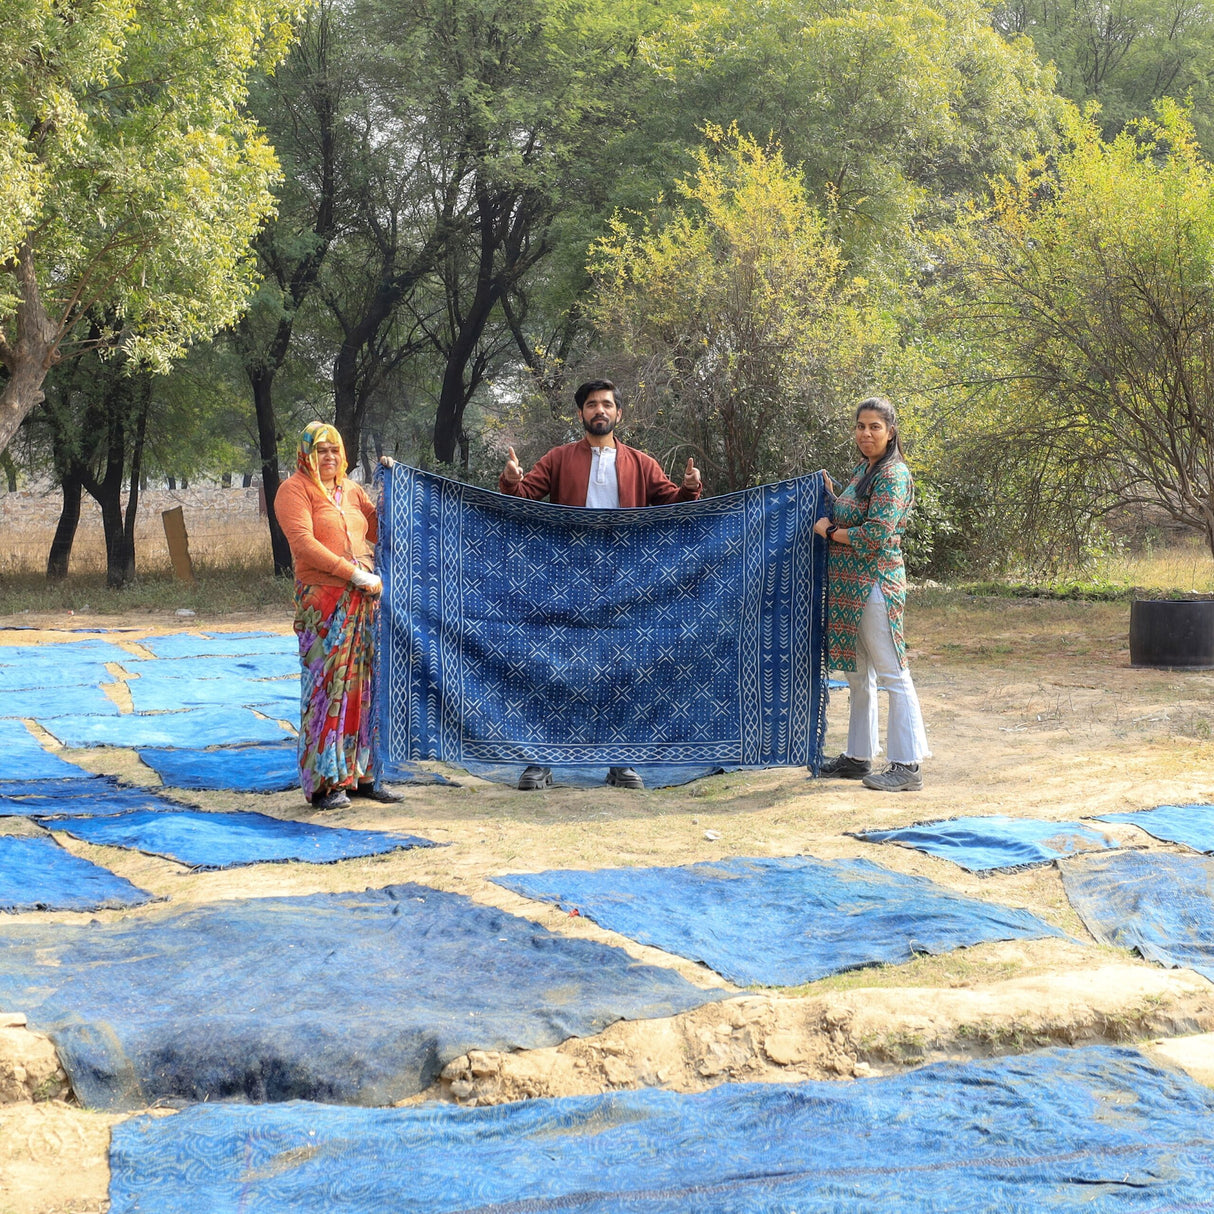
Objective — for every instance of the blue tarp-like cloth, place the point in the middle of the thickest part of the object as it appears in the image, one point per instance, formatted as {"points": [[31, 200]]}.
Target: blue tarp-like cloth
{"points": [[221, 644], [58, 700], [343, 998], [274, 697], [71, 663], [521, 632], [1161, 905], [23, 758], [37, 874], [1192, 825], [97, 795], [246, 666], [228, 840], [195, 728], [780, 921], [983, 844], [1097, 1130]]}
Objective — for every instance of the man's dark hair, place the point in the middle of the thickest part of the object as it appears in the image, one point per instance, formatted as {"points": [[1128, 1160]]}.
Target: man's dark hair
{"points": [[596, 385]]}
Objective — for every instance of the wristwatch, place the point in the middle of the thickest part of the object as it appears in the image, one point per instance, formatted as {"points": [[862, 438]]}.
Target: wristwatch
{"points": [[830, 531]]}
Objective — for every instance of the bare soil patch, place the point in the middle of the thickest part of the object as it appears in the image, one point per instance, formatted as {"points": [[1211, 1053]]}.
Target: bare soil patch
{"points": [[1032, 709]]}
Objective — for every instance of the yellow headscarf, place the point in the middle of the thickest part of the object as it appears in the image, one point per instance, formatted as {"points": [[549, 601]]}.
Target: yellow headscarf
{"points": [[306, 460]]}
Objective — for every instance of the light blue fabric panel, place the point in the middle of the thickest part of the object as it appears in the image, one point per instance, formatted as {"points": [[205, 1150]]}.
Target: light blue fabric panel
{"points": [[351, 998], [248, 666], [780, 921], [270, 768], [219, 644], [1161, 905], [1089, 1131], [196, 728], [169, 695], [515, 631], [37, 874], [22, 757], [95, 795], [22, 685], [230, 840], [58, 700], [984, 844], [1192, 825]]}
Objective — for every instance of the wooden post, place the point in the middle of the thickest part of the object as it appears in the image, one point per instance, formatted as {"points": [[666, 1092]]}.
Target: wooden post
{"points": [[179, 544]]}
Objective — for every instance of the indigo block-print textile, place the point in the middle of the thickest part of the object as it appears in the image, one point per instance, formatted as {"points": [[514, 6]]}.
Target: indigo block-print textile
{"points": [[521, 632]]}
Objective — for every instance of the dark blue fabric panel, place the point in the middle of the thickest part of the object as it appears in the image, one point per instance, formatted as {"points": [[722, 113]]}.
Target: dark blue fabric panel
{"points": [[1192, 825], [23, 758], [780, 921], [1096, 1130], [219, 644], [247, 666], [983, 844], [272, 768], [343, 998], [55, 699], [96, 796], [655, 775], [515, 631], [37, 874], [195, 728], [169, 695], [228, 840], [1161, 905]]}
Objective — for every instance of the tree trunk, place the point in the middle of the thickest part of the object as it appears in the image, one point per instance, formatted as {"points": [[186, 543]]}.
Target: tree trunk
{"points": [[32, 354], [65, 532], [267, 439]]}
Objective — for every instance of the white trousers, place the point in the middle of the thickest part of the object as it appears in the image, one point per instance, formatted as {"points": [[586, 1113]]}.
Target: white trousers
{"points": [[877, 670]]}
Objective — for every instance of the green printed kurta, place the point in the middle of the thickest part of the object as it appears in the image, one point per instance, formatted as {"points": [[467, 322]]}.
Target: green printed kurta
{"points": [[874, 557]]}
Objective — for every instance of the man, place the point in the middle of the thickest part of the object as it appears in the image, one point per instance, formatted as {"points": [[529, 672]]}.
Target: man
{"points": [[599, 472]]}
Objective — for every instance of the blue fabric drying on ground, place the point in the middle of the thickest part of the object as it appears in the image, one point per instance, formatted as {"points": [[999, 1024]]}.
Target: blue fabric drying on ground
{"points": [[195, 728], [169, 695], [1192, 825], [97, 796], [23, 758], [780, 921], [983, 844], [37, 874], [58, 700], [515, 631], [655, 775], [1159, 904], [220, 644], [248, 666], [344, 998], [229, 840], [272, 768], [1097, 1130]]}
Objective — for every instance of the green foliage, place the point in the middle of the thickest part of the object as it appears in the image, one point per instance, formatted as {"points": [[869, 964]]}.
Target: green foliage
{"points": [[733, 315]]}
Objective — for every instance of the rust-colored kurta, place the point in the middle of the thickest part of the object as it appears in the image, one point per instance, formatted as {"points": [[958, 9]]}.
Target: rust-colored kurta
{"points": [[563, 476], [874, 557], [326, 539]]}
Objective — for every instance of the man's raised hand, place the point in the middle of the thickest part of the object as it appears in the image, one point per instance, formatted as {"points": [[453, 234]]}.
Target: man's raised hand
{"points": [[691, 476], [513, 473]]}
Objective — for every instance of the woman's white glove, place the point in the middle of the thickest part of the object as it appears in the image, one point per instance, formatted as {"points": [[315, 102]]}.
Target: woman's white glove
{"points": [[372, 583]]}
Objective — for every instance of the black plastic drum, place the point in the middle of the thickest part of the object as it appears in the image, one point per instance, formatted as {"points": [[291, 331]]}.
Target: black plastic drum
{"points": [[1172, 632]]}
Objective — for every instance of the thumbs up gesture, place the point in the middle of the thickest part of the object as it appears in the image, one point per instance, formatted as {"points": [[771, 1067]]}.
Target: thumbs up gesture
{"points": [[691, 476], [512, 472]]}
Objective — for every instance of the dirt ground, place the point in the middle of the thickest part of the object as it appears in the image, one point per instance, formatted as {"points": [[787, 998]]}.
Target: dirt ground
{"points": [[1032, 709]]}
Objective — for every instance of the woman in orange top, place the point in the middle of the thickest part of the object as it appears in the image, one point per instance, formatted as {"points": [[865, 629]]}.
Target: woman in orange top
{"points": [[330, 523]]}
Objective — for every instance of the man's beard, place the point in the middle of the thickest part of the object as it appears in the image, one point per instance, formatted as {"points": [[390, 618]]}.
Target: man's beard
{"points": [[598, 426]]}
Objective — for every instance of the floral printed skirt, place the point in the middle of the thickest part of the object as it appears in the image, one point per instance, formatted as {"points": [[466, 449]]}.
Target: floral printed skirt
{"points": [[336, 630]]}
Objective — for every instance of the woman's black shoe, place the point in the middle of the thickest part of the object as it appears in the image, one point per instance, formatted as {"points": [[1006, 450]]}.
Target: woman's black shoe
{"points": [[845, 768]]}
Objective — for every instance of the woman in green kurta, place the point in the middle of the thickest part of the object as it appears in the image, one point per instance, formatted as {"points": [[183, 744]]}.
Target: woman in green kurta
{"points": [[867, 593]]}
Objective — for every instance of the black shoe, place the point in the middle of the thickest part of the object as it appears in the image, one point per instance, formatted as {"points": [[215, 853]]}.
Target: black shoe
{"points": [[624, 777], [535, 777], [897, 777], [377, 792], [335, 798], [845, 768]]}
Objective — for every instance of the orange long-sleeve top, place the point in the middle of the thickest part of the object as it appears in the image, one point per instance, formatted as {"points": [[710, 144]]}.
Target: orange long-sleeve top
{"points": [[326, 540]]}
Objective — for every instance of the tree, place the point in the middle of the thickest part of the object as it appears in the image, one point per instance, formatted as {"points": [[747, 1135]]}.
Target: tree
{"points": [[733, 314], [131, 182], [1083, 319]]}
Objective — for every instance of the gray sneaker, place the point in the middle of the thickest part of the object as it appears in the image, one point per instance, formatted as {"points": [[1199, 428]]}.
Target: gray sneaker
{"points": [[897, 777], [844, 767]]}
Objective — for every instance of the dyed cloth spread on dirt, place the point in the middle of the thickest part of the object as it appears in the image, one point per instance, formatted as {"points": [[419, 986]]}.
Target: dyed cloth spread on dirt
{"points": [[271, 768], [229, 840], [983, 844], [336, 630], [1159, 904], [58, 700], [1192, 825], [63, 664], [344, 998], [516, 631], [274, 697], [195, 728], [37, 874], [96, 795], [247, 666], [1095, 1130], [22, 757], [221, 644], [780, 921]]}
